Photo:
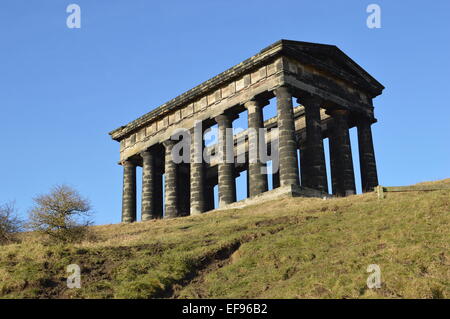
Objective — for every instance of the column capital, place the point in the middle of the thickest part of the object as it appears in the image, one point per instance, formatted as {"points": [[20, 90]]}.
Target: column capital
{"points": [[222, 118], [252, 104], [225, 118], [282, 91], [128, 163], [168, 143], [146, 153]]}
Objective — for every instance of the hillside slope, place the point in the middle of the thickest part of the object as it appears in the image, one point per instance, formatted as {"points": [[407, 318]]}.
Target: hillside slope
{"points": [[290, 248]]}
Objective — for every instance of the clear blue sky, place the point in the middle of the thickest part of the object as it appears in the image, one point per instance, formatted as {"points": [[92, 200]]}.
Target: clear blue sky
{"points": [[62, 90]]}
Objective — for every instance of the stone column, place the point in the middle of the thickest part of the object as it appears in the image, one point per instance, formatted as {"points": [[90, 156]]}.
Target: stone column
{"points": [[286, 140], [341, 154], [257, 180], [198, 179], [227, 184], [148, 189], [129, 192], [314, 174], [369, 177], [171, 207]]}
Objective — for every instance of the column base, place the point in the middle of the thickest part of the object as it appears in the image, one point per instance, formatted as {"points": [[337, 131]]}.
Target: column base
{"points": [[127, 220], [292, 190], [349, 192], [195, 212]]}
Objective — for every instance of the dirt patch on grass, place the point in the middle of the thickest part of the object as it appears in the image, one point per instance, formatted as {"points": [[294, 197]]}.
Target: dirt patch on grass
{"points": [[224, 256], [96, 265]]}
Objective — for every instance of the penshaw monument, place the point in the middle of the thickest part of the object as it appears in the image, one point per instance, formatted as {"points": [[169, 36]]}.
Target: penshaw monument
{"points": [[333, 94]]}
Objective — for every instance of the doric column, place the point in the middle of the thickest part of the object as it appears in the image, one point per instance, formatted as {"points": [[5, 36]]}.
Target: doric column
{"points": [[286, 139], [148, 190], [129, 192], [198, 180], [313, 158], [369, 177], [171, 183], [341, 154], [227, 184], [257, 180]]}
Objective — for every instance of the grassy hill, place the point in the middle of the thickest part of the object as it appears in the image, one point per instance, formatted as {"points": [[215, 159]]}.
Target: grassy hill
{"points": [[289, 248]]}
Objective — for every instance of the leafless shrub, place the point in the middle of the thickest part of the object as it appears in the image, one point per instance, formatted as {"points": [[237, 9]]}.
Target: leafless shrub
{"points": [[63, 215], [10, 223]]}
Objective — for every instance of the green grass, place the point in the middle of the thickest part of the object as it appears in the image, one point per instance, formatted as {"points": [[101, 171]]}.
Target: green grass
{"points": [[289, 248]]}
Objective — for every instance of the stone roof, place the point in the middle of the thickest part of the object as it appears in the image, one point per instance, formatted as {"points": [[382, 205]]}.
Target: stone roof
{"points": [[322, 56]]}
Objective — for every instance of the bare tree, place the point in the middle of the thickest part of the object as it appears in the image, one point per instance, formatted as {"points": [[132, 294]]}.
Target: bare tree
{"points": [[63, 214], [10, 223]]}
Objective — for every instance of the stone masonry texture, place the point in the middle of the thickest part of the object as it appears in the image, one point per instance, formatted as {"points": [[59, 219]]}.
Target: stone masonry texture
{"points": [[227, 183], [148, 189], [171, 203], [341, 154], [369, 176], [197, 177], [257, 180], [287, 144], [129, 192], [314, 175]]}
